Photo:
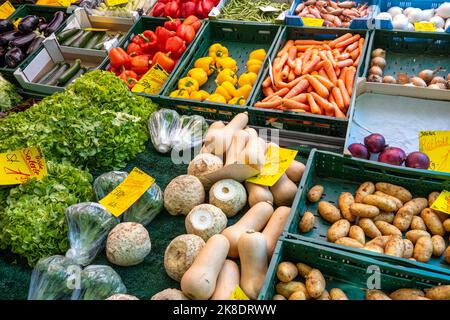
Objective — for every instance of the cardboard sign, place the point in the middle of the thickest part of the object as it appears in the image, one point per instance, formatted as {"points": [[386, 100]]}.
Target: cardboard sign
{"points": [[436, 145], [424, 26], [152, 81], [238, 294], [6, 9], [127, 192], [16, 167], [442, 203], [312, 22]]}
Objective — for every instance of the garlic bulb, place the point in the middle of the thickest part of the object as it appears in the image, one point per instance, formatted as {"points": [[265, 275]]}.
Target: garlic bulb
{"points": [[444, 10], [395, 11], [438, 21]]}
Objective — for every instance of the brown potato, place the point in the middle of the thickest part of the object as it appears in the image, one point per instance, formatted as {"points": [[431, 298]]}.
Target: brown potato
{"points": [[357, 233], [384, 216], [315, 193], [409, 249], [315, 283], [286, 271], [418, 224], [307, 222], [395, 247], [397, 201], [432, 198], [364, 210], [346, 199], [393, 190], [349, 242], [338, 230], [379, 241], [329, 212], [376, 295], [388, 229], [325, 296], [438, 293], [423, 249], [303, 269], [447, 255], [404, 215], [414, 235], [278, 297], [297, 295], [446, 225], [406, 294], [373, 248], [438, 245], [369, 227], [432, 222], [364, 189], [288, 288], [337, 294], [382, 203]]}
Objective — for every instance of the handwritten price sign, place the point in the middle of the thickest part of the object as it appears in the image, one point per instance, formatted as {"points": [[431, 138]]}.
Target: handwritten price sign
{"points": [[436, 145], [20, 165]]}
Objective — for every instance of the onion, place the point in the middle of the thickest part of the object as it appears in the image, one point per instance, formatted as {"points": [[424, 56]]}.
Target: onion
{"points": [[379, 53], [444, 10], [392, 155], [415, 15], [384, 16], [418, 82], [427, 75], [438, 79], [438, 21], [400, 22], [395, 11], [374, 78], [417, 160], [359, 150], [378, 61], [375, 142], [389, 79], [376, 70], [408, 10]]}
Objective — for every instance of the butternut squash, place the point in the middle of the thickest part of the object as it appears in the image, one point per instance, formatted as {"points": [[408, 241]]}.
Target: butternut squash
{"points": [[295, 171], [240, 139], [229, 278], [258, 193], [274, 228], [199, 281], [254, 153], [283, 191], [255, 219], [252, 249], [215, 125]]}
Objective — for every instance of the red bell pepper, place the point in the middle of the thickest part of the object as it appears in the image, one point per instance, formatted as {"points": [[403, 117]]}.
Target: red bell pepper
{"points": [[134, 49], [186, 32], [200, 13], [158, 9], [164, 60], [162, 34], [208, 5], [129, 77], [151, 41], [140, 64], [172, 24], [188, 8], [193, 21], [139, 39], [114, 70], [172, 9], [119, 58], [176, 46]]}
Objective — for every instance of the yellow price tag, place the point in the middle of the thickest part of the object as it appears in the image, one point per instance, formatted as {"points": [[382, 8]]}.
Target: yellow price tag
{"points": [[6, 9], [238, 294], [436, 145], [152, 81], [277, 161], [16, 23], [16, 167], [312, 22], [112, 3], [424, 26], [442, 203], [64, 3], [127, 192]]}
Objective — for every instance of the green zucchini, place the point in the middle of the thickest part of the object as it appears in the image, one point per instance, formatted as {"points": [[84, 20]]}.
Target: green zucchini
{"points": [[54, 78], [70, 40], [83, 39], [94, 40], [66, 34], [101, 41], [46, 76], [79, 73], [69, 73]]}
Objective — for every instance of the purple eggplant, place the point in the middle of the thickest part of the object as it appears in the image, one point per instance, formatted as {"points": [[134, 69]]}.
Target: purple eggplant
{"points": [[35, 44], [14, 57], [28, 24], [23, 41], [2, 56], [6, 25], [8, 36], [56, 22], [42, 26]]}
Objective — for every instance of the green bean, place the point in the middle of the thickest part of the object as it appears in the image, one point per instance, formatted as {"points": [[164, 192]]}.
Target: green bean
{"points": [[248, 10]]}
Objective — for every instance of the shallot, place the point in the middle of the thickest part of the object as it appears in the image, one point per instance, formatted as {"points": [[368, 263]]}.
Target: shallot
{"points": [[380, 53], [427, 75], [376, 70], [392, 155], [375, 143], [378, 61], [389, 79], [417, 160], [418, 82], [374, 78], [359, 150], [438, 79]]}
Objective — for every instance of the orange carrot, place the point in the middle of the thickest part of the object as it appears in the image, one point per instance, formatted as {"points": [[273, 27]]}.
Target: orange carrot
{"points": [[307, 42], [291, 75], [349, 80], [319, 66], [313, 105], [345, 63], [343, 73], [267, 91], [323, 73], [327, 83], [323, 56], [352, 47], [298, 66], [297, 110], [302, 48], [323, 103], [301, 86], [279, 93], [338, 98], [292, 55], [306, 56], [286, 47], [309, 67], [346, 36], [331, 98], [318, 86], [310, 89], [269, 104], [331, 59], [281, 63], [285, 72], [344, 93], [361, 44], [344, 56], [337, 112], [293, 83], [292, 104], [330, 71], [338, 72], [355, 64], [267, 82], [347, 42], [354, 54], [299, 98]]}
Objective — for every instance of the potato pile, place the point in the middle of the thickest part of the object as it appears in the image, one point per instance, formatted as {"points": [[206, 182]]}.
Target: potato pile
{"points": [[434, 293], [383, 212]]}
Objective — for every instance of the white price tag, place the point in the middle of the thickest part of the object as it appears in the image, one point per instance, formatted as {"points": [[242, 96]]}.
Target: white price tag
{"points": [[269, 9]]}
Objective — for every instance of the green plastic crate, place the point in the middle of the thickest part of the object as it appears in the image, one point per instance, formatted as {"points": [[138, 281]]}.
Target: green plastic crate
{"points": [[337, 173], [240, 39], [25, 10], [316, 124], [346, 271], [150, 23], [410, 52]]}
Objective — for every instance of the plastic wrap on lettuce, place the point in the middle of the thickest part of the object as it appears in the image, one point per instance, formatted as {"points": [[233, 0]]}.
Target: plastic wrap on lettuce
{"points": [[89, 224], [100, 282], [143, 210], [192, 133], [54, 278]]}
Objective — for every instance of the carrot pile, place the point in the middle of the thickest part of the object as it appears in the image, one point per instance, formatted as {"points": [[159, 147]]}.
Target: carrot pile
{"points": [[314, 76]]}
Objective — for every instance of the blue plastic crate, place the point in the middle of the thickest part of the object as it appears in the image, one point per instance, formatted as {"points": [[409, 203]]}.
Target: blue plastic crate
{"points": [[358, 23]]}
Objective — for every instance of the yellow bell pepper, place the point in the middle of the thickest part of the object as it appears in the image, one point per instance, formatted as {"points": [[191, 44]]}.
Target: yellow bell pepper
{"points": [[199, 95], [180, 93], [239, 101], [226, 63], [189, 84], [247, 78], [198, 74], [215, 97], [226, 75], [223, 91], [243, 92], [259, 54], [254, 65], [205, 63], [217, 51]]}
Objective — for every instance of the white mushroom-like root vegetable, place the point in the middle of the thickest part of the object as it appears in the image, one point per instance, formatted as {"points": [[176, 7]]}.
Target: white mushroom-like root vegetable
{"points": [[181, 253], [228, 195], [182, 194], [205, 220], [202, 165], [122, 296], [170, 294]]}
